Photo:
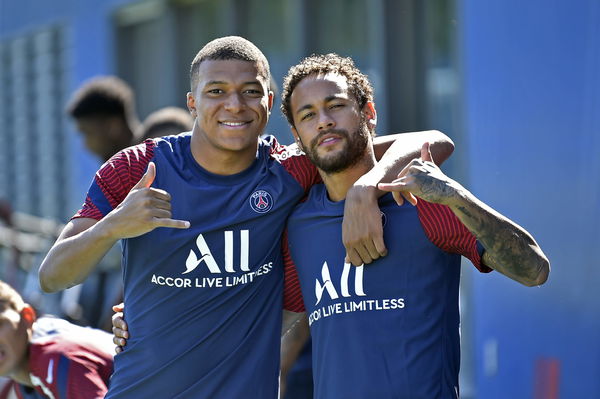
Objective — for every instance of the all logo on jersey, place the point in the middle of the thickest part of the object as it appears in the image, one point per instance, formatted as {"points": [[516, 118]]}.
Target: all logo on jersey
{"points": [[346, 295], [206, 256], [239, 270], [261, 201], [327, 285]]}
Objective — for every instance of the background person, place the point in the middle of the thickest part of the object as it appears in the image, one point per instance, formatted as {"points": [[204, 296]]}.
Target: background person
{"points": [[48, 357]]}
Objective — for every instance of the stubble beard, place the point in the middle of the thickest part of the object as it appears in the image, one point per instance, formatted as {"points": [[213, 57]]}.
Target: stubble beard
{"points": [[352, 152]]}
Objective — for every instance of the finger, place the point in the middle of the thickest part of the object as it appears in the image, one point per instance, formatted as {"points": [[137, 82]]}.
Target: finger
{"points": [[119, 333], [119, 307], [426, 152], [409, 197], [173, 223], [148, 178], [158, 203], [118, 349], [161, 213], [353, 258], [118, 322], [119, 341], [398, 198], [372, 249], [363, 253], [380, 244], [396, 185]]}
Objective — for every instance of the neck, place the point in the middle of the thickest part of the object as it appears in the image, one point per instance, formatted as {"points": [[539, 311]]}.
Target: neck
{"points": [[220, 161], [338, 184]]}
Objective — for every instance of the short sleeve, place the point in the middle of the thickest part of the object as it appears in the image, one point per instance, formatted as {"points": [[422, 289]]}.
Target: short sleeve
{"points": [[446, 231], [115, 179]]}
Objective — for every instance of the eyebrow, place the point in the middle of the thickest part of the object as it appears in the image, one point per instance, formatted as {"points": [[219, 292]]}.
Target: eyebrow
{"points": [[221, 82]]}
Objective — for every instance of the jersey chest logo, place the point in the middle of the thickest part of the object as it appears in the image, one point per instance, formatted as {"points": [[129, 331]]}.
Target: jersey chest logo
{"points": [[193, 261], [326, 283], [261, 201]]}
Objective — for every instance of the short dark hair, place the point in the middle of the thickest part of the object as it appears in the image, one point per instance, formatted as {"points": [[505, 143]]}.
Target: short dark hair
{"points": [[358, 83], [230, 48], [103, 96], [165, 121], [10, 298]]}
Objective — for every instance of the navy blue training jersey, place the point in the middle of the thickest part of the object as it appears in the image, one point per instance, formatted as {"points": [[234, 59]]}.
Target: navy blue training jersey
{"points": [[203, 304], [389, 329]]}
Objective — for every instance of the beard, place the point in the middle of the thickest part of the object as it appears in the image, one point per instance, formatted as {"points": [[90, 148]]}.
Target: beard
{"points": [[352, 152]]}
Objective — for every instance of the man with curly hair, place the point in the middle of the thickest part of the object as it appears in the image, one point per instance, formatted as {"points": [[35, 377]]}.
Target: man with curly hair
{"points": [[390, 329]]}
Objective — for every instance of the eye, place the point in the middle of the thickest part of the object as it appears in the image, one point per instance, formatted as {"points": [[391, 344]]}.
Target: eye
{"points": [[254, 92], [215, 91], [338, 105], [306, 116]]}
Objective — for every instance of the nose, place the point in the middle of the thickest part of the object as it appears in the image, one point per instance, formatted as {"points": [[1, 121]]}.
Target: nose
{"points": [[234, 103], [325, 121]]}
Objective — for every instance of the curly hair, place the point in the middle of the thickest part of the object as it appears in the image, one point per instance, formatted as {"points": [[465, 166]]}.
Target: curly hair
{"points": [[317, 64], [103, 95], [230, 48], [10, 298]]}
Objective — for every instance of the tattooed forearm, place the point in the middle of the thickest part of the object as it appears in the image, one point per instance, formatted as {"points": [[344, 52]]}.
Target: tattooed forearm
{"points": [[509, 249]]}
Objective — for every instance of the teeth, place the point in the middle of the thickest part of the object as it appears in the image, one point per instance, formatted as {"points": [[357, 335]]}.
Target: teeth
{"points": [[233, 123]]}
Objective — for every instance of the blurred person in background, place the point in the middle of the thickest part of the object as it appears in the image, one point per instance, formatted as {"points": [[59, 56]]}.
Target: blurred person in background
{"points": [[47, 357], [165, 122], [103, 109]]}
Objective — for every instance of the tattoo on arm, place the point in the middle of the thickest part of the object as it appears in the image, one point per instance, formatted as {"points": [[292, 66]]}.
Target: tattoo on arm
{"points": [[509, 249]]}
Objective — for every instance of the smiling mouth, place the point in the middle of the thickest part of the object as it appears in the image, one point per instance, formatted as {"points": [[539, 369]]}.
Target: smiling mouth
{"points": [[234, 124]]}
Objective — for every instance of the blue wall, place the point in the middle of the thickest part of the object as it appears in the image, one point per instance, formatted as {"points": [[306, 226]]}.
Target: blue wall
{"points": [[532, 102], [89, 36]]}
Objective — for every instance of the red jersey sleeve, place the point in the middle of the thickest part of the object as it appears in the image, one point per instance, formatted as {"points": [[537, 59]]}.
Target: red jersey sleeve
{"points": [[446, 231], [115, 179], [296, 164], [292, 295]]}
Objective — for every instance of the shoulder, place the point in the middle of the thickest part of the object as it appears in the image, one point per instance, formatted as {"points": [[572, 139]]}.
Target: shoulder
{"points": [[281, 152]]}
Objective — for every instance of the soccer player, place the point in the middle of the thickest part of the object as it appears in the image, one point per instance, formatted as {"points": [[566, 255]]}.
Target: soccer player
{"points": [[390, 329], [200, 216], [48, 357]]}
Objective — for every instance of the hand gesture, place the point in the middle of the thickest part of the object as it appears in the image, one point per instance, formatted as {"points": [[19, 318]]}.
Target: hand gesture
{"points": [[144, 209], [119, 329], [422, 178]]}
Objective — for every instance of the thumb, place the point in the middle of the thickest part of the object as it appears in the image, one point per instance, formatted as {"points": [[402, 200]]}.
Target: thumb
{"points": [[148, 178], [426, 153]]}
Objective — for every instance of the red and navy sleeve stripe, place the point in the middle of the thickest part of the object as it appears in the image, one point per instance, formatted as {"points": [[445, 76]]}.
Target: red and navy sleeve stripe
{"points": [[115, 179], [446, 231], [292, 295], [296, 164]]}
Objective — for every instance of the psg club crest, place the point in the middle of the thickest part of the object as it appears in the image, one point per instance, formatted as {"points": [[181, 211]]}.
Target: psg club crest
{"points": [[261, 201]]}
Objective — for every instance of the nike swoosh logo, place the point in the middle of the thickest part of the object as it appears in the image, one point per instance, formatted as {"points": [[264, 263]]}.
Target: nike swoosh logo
{"points": [[50, 376]]}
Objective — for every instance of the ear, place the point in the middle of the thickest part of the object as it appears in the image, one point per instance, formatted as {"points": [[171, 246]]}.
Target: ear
{"points": [[271, 100], [297, 138], [370, 114], [28, 315], [191, 104]]}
